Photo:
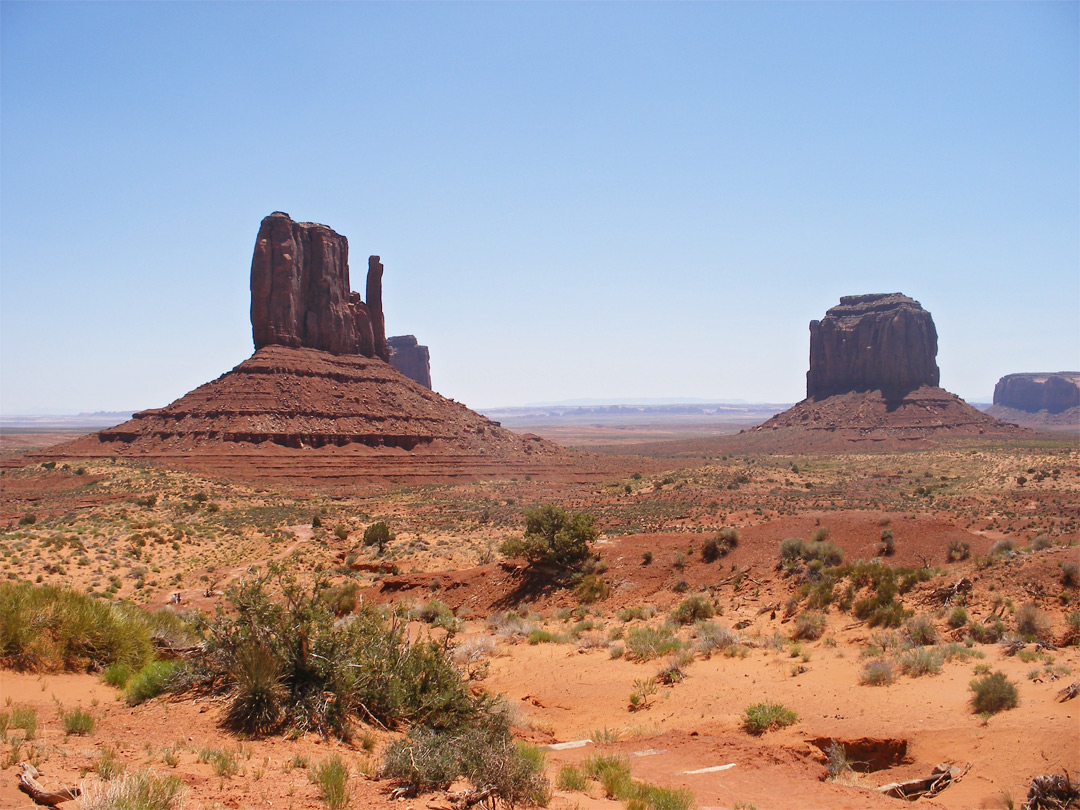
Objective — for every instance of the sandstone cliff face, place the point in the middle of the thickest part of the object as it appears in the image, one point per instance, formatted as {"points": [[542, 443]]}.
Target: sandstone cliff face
{"points": [[411, 359], [1053, 393], [301, 295], [879, 342]]}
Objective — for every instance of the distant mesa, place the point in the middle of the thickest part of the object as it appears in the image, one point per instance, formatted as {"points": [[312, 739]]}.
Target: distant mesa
{"points": [[873, 381], [1050, 392], [1049, 400], [881, 342], [319, 402], [411, 359]]}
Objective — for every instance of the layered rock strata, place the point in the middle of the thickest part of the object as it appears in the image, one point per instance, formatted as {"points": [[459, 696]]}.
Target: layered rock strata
{"points": [[301, 295], [878, 342], [411, 359]]}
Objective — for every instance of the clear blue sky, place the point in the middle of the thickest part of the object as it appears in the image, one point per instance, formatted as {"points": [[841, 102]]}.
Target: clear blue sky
{"points": [[571, 199]]}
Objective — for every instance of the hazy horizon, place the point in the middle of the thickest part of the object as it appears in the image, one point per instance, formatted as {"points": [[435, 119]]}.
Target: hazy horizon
{"points": [[572, 201]]}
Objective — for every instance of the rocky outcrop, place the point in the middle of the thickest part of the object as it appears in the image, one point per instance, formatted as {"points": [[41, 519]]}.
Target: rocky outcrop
{"points": [[1050, 392], [411, 359], [878, 342], [301, 295]]}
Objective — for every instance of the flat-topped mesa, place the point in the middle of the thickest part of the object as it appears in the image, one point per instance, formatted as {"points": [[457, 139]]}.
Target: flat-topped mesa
{"points": [[880, 342], [1051, 392], [301, 295], [411, 359]]}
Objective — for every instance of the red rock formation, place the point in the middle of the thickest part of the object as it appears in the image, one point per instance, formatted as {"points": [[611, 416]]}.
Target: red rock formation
{"points": [[411, 359], [1053, 393], [301, 295], [879, 342]]}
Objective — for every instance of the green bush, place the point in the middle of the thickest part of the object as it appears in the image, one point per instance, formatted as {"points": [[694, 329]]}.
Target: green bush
{"points": [[791, 549], [1040, 542], [555, 537], [77, 722], [150, 681], [571, 778], [1070, 575], [292, 663], [920, 631], [646, 643], [259, 700], [116, 674], [694, 609], [888, 543], [721, 545], [824, 551], [809, 626], [591, 588], [1030, 623], [958, 550], [144, 790], [958, 617], [877, 673], [484, 753], [920, 661], [993, 693], [332, 777], [49, 628], [761, 717], [1002, 547], [378, 534]]}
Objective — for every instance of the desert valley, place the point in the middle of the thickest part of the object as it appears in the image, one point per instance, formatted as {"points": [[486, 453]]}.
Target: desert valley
{"points": [[314, 582]]}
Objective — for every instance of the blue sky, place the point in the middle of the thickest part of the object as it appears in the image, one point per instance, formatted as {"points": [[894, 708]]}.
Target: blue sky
{"points": [[571, 200]]}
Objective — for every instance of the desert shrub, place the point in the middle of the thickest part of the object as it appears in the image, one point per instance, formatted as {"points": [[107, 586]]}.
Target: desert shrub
{"points": [[633, 613], [343, 599], [554, 536], [958, 617], [378, 534], [958, 550], [721, 545], [877, 673], [316, 522], [820, 535], [646, 557], [341, 533], [77, 722], [791, 549], [888, 544], [827, 553], [710, 637], [484, 753], [591, 588], [1070, 575], [51, 628], [571, 778], [106, 765], [761, 717], [920, 631], [646, 643], [1030, 623], [993, 693], [330, 671], [21, 717], [144, 790], [539, 636], [613, 773], [1002, 547], [116, 674], [809, 626], [695, 608], [920, 661], [332, 777], [990, 633], [150, 681], [258, 703], [1040, 542]]}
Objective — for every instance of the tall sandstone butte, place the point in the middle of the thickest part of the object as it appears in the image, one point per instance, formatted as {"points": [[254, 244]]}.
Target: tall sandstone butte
{"points": [[411, 359], [880, 342], [301, 295]]}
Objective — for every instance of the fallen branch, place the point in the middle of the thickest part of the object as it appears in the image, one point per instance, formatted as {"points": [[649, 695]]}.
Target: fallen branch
{"points": [[32, 788], [929, 786], [1069, 692]]}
